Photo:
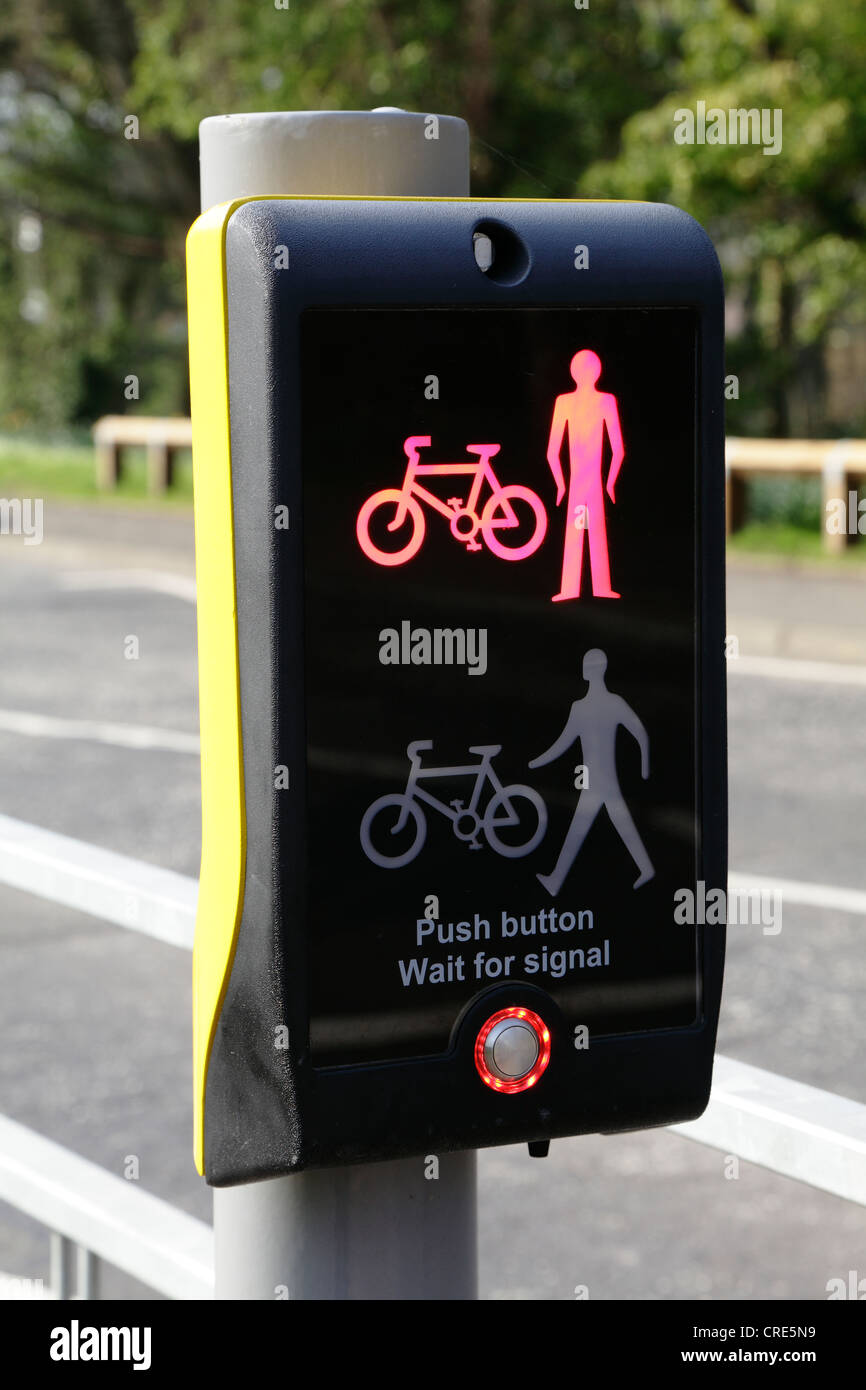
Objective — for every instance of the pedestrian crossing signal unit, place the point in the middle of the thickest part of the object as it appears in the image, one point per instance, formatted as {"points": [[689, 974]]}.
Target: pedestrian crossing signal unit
{"points": [[460, 541]]}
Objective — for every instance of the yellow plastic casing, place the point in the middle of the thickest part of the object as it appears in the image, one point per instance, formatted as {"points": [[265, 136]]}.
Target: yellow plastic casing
{"points": [[223, 855], [223, 852]]}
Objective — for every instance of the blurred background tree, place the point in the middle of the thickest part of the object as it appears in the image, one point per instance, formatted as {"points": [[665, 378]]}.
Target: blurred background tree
{"points": [[100, 102], [789, 227]]}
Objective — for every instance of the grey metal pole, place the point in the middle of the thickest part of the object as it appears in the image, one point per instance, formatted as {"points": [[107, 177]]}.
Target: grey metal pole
{"points": [[372, 1231], [60, 1275], [404, 1229], [369, 154]]}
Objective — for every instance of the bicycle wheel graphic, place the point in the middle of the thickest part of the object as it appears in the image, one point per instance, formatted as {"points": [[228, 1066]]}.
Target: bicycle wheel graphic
{"points": [[529, 813], [377, 515], [378, 827], [506, 539]]}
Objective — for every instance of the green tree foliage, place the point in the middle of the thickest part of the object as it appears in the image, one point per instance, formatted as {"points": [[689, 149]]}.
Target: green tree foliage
{"points": [[559, 100], [107, 278], [545, 89], [789, 227]]}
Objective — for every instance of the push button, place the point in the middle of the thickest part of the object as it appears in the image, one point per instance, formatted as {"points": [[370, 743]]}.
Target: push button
{"points": [[512, 1050]]}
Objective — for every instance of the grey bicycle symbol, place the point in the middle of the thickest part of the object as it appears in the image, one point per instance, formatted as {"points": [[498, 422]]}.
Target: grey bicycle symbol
{"points": [[516, 809]]}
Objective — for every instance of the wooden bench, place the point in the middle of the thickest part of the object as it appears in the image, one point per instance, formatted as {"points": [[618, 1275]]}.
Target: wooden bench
{"points": [[838, 461], [160, 437]]}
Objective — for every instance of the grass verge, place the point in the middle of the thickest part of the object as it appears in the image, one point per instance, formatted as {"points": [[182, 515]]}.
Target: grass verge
{"points": [[30, 468]]}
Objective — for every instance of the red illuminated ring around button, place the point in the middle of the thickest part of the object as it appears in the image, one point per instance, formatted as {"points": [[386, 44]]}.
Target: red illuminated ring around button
{"points": [[529, 1078]]}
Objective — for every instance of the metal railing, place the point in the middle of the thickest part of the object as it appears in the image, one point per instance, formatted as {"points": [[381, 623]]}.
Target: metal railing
{"points": [[799, 1131], [94, 1215]]}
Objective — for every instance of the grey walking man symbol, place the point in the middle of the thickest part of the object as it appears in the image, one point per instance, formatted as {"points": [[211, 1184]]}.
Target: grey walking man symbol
{"points": [[594, 720]]}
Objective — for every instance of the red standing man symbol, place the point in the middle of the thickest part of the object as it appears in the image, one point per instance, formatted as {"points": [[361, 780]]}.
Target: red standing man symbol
{"points": [[585, 413]]}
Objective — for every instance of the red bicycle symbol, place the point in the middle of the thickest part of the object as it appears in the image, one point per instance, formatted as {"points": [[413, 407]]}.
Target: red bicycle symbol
{"points": [[512, 508]]}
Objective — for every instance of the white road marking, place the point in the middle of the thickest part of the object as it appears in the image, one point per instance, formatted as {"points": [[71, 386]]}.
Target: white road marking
{"points": [[139, 736], [130, 893], [782, 668], [791, 891], [157, 581]]}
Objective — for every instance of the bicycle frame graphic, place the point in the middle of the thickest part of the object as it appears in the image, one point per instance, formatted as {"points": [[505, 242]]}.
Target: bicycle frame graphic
{"points": [[499, 513], [467, 820]]}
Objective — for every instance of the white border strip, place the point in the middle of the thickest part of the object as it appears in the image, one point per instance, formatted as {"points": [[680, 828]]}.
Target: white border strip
{"points": [[138, 736], [790, 891], [785, 669], [180, 586]]}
